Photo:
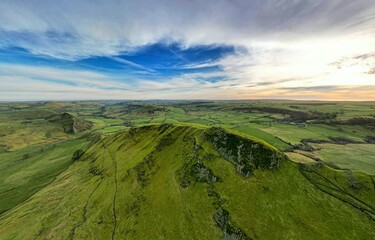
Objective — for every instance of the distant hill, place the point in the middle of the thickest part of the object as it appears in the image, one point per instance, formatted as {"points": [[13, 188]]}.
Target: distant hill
{"points": [[69, 123], [185, 182], [58, 105]]}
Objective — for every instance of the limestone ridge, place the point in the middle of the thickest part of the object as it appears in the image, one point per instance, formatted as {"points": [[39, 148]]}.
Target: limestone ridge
{"points": [[189, 182], [248, 155]]}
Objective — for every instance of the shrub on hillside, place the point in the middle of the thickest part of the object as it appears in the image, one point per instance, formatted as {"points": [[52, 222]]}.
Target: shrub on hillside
{"points": [[77, 154]]}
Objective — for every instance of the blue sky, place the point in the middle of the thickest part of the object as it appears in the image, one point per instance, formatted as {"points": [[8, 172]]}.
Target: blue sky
{"points": [[222, 49]]}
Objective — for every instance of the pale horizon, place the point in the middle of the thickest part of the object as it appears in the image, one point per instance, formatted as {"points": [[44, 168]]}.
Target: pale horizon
{"points": [[178, 50]]}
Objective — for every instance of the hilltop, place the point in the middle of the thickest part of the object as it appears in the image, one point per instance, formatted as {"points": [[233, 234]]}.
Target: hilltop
{"points": [[185, 182], [69, 123]]}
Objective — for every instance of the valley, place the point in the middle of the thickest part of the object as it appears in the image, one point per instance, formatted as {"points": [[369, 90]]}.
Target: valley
{"points": [[187, 170]]}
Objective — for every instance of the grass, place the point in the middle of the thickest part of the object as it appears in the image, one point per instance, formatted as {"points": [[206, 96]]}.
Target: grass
{"points": [[110, 117], [23, 173], [277, 142], [357, 157], [154, 182], [294, 134], [299, 158], [292, 206], [129, 186]]}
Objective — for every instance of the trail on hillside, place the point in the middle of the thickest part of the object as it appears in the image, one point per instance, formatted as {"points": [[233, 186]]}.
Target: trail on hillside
{"points": [[113, 157], [337, 192], [84, 213], [184, 182]]}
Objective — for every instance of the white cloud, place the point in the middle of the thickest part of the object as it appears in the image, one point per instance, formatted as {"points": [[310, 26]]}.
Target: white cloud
{"points": [[29, 83], [305, 63], [280, 44], [73, 29], [60, 76]]}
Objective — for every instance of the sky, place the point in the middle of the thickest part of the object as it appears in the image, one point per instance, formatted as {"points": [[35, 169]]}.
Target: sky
{"points": [[187, 49]]}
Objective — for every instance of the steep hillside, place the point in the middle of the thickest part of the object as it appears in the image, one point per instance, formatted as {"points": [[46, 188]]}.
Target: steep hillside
{"points": [[24, 172], [70, 123], [182, 182]]}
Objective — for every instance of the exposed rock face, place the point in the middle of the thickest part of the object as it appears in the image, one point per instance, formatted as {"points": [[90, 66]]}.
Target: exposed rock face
{"points": [[230, 232], [180, 182], [244, 153], [194, 170]]}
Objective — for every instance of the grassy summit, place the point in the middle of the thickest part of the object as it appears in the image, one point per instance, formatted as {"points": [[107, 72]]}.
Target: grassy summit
{"points": [[183, 182], [70, 123]]}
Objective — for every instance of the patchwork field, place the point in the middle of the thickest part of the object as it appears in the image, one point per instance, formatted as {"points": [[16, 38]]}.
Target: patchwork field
{"points": [[163, 169]]}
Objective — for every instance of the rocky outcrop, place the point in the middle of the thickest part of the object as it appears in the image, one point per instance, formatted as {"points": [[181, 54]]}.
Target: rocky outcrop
{"points": [[246, 154]]}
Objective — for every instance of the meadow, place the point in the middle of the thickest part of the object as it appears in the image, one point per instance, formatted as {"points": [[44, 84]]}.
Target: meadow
{"points": [[291, 126], [127, 147], [182, 182], [305, 128]]}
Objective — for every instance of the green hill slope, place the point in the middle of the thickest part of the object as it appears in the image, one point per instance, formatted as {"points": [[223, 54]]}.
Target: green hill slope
{"points": [[181, 182], [70, 123]]}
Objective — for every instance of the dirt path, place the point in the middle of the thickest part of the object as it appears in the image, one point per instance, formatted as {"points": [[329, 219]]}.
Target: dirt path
{"points": [[113, 157], [84, 213]]}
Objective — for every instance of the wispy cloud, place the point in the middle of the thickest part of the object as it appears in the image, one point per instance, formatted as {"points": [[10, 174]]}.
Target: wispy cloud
{"points": [[78, 77], [72, 29], [132, 64], [188, 49]]}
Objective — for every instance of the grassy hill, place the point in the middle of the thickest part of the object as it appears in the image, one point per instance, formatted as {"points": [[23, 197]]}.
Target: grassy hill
{"points": [[183, 182], [70, 123], [25, 172]]}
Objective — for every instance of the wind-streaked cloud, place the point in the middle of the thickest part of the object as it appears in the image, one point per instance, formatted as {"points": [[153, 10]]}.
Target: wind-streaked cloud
{"points": [[187, 49]]}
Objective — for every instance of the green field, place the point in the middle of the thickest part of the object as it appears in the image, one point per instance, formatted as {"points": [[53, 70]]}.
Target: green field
{"points": [[24, 172], [172, 169], [146, 184], [363, 160]]}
